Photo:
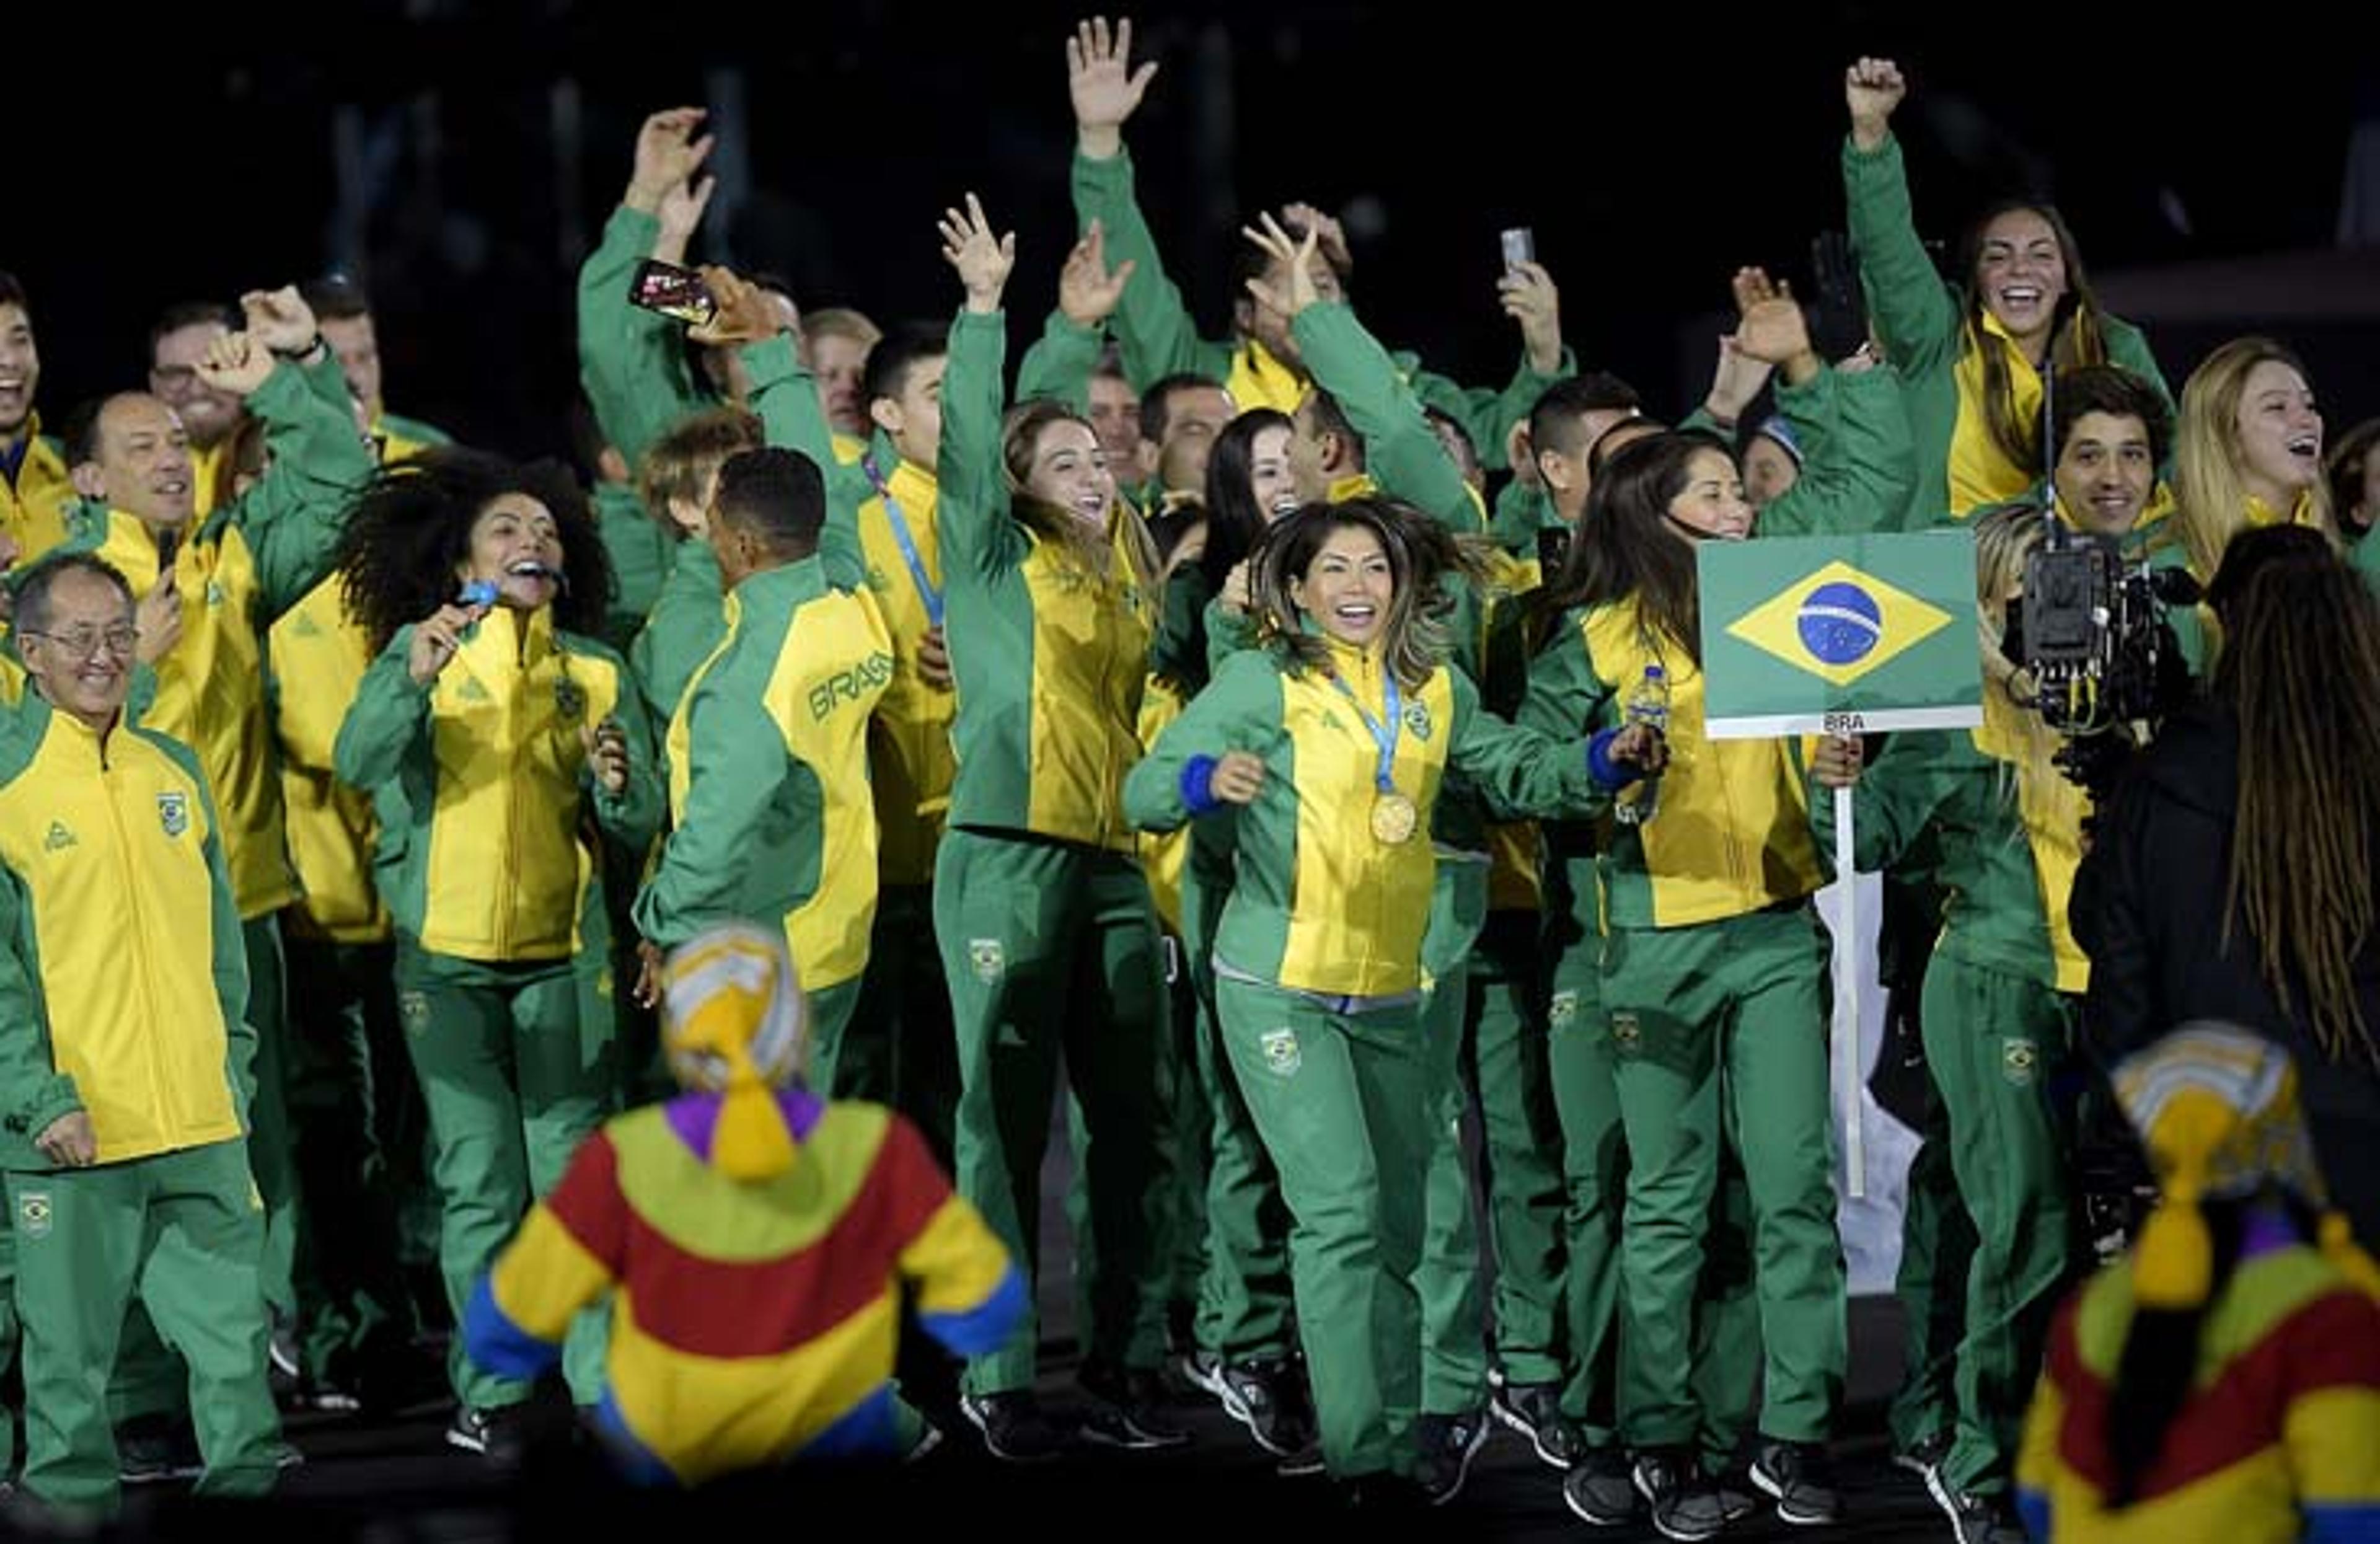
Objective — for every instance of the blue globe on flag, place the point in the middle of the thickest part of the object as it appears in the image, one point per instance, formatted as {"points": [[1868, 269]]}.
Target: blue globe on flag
{"points": [[1840, 622]]}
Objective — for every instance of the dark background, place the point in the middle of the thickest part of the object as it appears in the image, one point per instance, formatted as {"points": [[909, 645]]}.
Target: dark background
{"points": [[462, 159]]}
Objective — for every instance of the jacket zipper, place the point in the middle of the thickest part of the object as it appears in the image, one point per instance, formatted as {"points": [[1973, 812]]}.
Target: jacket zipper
{"points": [[110, 787]]}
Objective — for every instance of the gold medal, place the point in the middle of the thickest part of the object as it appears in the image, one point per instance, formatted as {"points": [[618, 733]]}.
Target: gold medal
{"points": [[1394, 817]]}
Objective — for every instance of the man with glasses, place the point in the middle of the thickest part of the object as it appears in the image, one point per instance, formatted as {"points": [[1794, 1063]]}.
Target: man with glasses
{"points": [[124, 1057]]}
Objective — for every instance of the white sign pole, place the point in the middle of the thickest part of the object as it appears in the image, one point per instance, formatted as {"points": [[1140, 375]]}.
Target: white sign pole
{"points": [[1844, 1045]]}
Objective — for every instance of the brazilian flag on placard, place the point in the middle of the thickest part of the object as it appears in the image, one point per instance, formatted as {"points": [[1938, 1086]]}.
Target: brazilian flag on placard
{"points": [[1800, 632]]}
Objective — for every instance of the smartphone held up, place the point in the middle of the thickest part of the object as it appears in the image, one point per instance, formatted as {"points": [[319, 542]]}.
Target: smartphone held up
{"points": [[674, 292], [1520, 247]]}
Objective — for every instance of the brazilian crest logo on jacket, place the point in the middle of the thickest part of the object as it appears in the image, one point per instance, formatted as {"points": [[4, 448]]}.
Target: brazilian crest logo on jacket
{"points": [[569, 699], [1417, 719], [174, 812]]}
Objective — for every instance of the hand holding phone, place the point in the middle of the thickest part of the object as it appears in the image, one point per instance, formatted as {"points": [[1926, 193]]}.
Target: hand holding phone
{"points": [[673, 291], [1520, 247]]}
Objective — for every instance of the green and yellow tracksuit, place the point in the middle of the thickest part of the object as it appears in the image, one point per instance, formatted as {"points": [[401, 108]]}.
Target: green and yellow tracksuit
{"points": [[1156, 337], [901, 1038], [2000, 1012], [1927, 337], [776, 823], [36, 495], [355, 1113], [240, 567], [480, 784], [403, 439], [1859, 466], [1318, 965], [1042, 908], [685, 627], [1710, 984], [123, 997]]}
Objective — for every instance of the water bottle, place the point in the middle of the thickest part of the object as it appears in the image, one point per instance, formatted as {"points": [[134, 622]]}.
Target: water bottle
{"points": [[1648, 702]]}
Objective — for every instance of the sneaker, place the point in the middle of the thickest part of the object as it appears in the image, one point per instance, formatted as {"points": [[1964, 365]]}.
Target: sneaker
{"points": [[1798, 1476], [1128, 1412], [1016, 1428], [286, 1456], [1268, 1397], [1200, 1369], [1737, 1499], [929, 1437], [1685, 1505], [1924, 1456], [1446, 1446], [492, 1432], [1978, 1519], [1534, 1410], [1599, 1489], [1306, 1460], [152, 1450]]}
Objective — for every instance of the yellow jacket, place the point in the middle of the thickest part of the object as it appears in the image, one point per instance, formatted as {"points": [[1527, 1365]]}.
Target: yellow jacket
{"points": [[33, 505], [909, 740], [318, 655], [122, 979]]}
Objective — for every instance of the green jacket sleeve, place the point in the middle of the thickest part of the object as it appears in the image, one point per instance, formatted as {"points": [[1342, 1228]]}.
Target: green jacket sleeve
{"points": [[687, 623], [1894, 805], [388, 719], [1235, 713], [979, 541], [786, 396], [1227, 633], [2129, 346], [631, 361], [1488, 416], [1153, 329], [739, 763], [33, 1093], [1060, 365], [1858, 466], [1522, 511], [1179, 652], [1520, 773], [1400, 448], [633, 816], [1913, 310], [1565, 696], [293, 517], [230, 962]]}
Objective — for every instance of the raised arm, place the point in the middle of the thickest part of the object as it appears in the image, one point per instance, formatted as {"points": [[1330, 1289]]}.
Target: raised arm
{"points": [[1858, 465], [971, 514], [1060, 365], [1911, 308], [631, 361], [1527, 293]]}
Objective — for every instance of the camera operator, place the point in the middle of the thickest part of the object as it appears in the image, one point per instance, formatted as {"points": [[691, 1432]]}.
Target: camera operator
{"points": [[2232, 875]]}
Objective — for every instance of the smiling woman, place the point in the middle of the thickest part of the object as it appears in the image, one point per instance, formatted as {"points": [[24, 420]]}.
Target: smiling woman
{"points": [[2249, 451]]}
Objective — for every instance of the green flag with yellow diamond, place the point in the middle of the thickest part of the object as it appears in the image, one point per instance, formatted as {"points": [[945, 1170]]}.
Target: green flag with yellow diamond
{"points": [[1839, 635]]}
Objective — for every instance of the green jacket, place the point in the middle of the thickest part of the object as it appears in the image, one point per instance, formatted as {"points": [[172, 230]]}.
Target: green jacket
{"points": [[1158, 338], [1318, 903], [479, 781], [771, 815], [1919, 319], [1059, 366], [687, 623], [631, 361], [786, 396], [1996, 903], [1051, 656], [639, 551], [1858, 467]]}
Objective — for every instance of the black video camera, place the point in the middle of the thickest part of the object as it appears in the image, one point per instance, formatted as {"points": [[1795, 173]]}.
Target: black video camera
{"points": [[2091, 633]]}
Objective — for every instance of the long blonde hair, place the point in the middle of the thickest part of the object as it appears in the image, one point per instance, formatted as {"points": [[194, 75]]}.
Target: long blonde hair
{"points": [[2022, 740], [2208, 484]]}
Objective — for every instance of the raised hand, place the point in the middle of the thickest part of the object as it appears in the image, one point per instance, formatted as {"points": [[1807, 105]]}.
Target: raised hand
{"points": [[1275, 243], [280, 319], [983, 260], [1872, 88], [1105, 88], [1772, 328], [743, 314], [1238, 778], [237, 363], [1734, 382], [1529, 297], [681, 215], [1520, 455], [667, 154], [1335, 250], [436, 637], [1087, 293]]}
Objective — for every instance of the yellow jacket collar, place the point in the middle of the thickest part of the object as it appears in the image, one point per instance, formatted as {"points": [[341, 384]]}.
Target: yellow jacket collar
{"points": [[1359, 486], [2301, 513]]}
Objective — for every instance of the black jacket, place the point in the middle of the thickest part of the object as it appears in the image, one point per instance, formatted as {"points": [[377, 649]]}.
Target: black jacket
{"points": [[2149, 905]]}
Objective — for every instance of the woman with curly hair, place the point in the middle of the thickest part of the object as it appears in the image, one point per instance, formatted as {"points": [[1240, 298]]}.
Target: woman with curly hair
{"points": [[495, 738]]}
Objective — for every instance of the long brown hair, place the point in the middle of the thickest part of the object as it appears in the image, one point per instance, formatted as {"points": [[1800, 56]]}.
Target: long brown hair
{"points": [[1626, 548], [1019, 437], [1421, 553], [2078, 329], [2301, 668]]}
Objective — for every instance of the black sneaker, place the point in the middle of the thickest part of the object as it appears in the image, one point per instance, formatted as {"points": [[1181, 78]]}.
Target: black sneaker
{"points": [[1268, 1397], [1685, 1505], [1798, 1476], [494, 1433], [1534, 1410], [1978, 1519], [1016, 1428], [1304, 1462], [1128, 1412], [1924, 1456], [1446, 1444], [1599, 1489], [154, 1450]]}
